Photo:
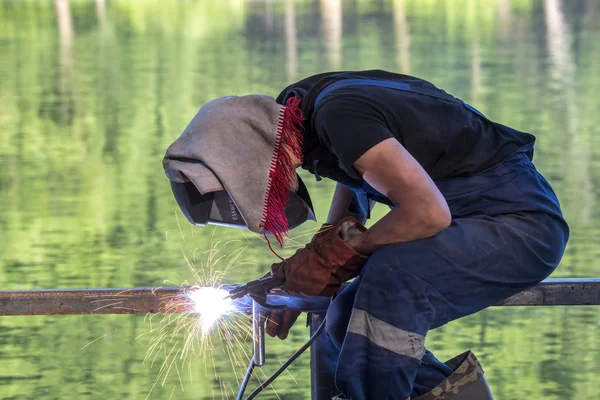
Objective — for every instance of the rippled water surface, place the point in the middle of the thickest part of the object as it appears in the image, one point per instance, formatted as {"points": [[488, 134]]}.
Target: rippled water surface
{"points": [[91, 93]]}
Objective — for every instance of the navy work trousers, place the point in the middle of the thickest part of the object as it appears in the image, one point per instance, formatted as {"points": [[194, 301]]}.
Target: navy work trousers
{"points": [[507, 234]]}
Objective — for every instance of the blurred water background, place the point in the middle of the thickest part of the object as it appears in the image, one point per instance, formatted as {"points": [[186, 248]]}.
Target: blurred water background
{"points": [[92, 93]]}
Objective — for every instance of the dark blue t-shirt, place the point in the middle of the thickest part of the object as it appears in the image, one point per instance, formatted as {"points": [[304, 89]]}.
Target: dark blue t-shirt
{"points": [[445, 137]]}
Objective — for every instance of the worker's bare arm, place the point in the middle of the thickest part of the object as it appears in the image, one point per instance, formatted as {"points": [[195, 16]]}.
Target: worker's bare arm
{"points": [[342, 197], [420, 209]]}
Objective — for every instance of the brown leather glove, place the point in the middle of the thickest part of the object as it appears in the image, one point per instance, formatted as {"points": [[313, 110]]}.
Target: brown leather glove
{"points": [[279, 323], [324, 263]]}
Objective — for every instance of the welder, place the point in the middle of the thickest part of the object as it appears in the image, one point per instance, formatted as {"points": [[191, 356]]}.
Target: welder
{"points": [[471, 220]]}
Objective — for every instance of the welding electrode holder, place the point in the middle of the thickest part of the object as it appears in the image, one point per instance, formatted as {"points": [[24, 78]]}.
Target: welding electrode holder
{"points": [[258, 291]]}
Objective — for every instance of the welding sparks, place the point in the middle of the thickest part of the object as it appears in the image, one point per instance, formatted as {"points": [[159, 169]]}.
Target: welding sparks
{"points": [[202, 328], [202, 324], [210, 304]]}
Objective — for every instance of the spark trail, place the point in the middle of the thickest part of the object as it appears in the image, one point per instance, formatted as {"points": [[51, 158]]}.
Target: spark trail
{"points": [[208, 326]]}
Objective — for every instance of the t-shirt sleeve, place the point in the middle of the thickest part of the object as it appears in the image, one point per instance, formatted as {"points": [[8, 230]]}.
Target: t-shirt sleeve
{"points": [[349, 126]]}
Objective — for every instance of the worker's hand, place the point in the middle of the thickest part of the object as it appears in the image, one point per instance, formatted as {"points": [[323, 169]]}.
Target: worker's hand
{"points": [[324, 263], [280, 322]]}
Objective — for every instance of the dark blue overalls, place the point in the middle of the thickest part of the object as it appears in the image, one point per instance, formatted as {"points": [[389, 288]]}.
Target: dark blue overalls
{"points": [[507, 234]]}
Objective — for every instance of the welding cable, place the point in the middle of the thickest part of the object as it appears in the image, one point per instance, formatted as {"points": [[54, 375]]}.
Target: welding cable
{"points": [[247, 376], [287, 363]]}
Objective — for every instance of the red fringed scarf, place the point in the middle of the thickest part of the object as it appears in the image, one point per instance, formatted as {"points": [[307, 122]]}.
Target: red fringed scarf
{"points": [[282, 173]]}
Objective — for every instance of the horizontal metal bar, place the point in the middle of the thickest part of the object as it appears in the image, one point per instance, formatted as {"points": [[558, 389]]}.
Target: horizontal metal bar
{"points": [[86, 301], [551, 292], [559, 292]]}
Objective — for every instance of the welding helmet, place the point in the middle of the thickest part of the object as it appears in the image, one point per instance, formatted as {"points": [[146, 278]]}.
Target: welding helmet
{"points": [[232, 165], [218, 208]]}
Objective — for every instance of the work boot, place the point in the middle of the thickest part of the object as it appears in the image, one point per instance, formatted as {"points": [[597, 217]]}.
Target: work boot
{"points": [[465, 383]]}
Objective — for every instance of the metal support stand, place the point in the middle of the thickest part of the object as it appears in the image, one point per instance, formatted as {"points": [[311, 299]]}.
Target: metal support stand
{"points": [[258, 346], [323, 359], [258, 334]]}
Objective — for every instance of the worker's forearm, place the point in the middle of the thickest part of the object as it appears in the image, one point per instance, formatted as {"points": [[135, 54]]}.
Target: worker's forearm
{"points": [[342, 197], [401, 226]]}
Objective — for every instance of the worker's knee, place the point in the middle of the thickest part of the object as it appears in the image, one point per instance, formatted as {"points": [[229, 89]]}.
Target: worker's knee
{"points": [[388, 291], [395, 293], [395, 259], [393, 266]]}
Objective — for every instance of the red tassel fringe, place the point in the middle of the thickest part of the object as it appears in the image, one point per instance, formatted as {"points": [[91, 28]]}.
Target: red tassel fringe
{"points": [[282, 173]]}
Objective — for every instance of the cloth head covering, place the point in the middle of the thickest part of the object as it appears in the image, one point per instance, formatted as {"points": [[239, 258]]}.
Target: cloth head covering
{"points": [[239, 148]]}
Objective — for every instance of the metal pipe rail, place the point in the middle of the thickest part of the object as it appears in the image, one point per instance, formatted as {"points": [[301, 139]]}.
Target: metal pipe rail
{"points": [[551, 292]]}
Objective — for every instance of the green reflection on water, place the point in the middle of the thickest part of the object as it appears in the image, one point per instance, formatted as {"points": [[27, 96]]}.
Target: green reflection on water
{"points": [[93, 92]]}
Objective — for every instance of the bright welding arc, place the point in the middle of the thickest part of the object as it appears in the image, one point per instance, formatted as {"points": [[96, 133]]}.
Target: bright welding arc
{"points": [[210, 304]]}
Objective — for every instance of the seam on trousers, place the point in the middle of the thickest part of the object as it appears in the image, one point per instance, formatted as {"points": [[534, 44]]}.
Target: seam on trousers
{"points": [[389, 337]]}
